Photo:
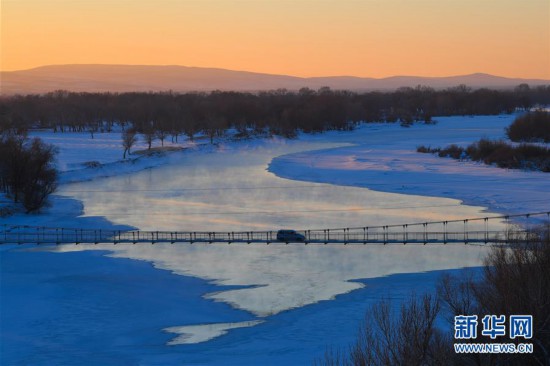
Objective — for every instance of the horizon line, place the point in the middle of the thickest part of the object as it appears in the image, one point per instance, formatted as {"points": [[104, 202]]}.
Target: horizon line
{"points": [[280, 74]]}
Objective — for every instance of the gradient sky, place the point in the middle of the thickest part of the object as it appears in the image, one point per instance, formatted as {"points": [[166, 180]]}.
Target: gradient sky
{"points": [[372, 38]]}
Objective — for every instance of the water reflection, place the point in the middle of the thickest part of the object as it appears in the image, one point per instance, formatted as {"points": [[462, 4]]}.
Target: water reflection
{"points": [[289, 276], [230, 190]]}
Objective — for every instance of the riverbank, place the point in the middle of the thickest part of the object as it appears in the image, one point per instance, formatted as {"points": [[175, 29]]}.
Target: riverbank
{"points": [[384, 158], [88, 308]]}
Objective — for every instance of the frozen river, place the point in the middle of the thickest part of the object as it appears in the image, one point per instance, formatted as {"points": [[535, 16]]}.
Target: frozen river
{"points": [[253, 303], [230, 189]]}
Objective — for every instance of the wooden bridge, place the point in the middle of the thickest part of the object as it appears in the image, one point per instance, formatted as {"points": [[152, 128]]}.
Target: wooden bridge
{"points": [[435, 232]]}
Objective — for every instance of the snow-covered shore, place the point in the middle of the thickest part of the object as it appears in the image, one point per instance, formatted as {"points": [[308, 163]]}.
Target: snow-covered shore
{"points": [[384, 158]]}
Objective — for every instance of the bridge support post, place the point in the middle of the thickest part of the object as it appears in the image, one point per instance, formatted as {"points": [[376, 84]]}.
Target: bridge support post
{"points": [[346, 236], [528, 227], [486, 224], [425, 233], [508, 231]]}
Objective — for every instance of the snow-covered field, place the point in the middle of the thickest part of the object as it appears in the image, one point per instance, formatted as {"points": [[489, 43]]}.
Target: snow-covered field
{"points": [[244, 304], [384, 158], [76, 148]]}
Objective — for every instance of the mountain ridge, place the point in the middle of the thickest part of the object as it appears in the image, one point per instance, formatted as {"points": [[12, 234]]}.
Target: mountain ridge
{"points": [[156, 78]]}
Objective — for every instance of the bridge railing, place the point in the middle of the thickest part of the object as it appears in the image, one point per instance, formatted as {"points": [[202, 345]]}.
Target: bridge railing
{"points": [[21, 235], [405, 236], [452, 231], [25, 234]]}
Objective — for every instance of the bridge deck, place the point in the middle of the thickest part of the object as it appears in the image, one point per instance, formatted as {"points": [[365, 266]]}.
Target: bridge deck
{"points": [[442, 232], [26, 235]]}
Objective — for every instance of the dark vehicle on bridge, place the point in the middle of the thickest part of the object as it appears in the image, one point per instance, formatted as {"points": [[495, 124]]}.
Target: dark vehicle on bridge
{"points": [[289, 235]]}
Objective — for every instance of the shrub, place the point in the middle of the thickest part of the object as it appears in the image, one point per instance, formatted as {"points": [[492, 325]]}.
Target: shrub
{"points": [[27, 174], [426, 149], [453, 151], [498, 152], [530, 127]]}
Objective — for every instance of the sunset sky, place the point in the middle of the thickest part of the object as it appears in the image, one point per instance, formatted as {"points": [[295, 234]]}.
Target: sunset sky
{"points": [[371, 38]]}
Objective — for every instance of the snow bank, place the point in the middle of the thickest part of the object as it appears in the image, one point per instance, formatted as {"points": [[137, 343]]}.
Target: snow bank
{"points": [[384, 158], [77, 148]]}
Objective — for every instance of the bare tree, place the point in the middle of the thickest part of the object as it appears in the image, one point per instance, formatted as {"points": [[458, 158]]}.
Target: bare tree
{"points": [[515, 280], [407, 337], [27, 174], [161, 135], [149, 135], [129, 138], [92, 128], [41, 175]]}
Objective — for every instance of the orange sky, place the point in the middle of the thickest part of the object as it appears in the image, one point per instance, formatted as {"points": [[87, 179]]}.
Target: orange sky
{"points": [[375, 38]]}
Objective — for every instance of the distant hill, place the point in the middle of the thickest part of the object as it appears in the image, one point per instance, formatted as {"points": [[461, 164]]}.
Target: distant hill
{"points": [[122, 78]]}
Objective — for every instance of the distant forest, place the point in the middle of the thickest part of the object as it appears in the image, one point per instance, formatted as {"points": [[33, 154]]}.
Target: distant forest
{"points": [[279, 112]]}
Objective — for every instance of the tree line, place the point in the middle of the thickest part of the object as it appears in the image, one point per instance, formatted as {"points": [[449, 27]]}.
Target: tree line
{"points": [[282, 112], [27, 174]]}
